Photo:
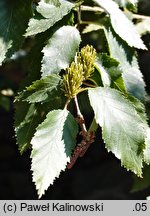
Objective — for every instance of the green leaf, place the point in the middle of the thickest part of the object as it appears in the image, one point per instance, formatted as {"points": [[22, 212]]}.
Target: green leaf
{"points": [[40, 90], [12, 27], [52, 145], [39, 23], [28, 116], [122, 128], [103, 72], [34, 57], [117, 81], [110, 73], [139, 106], [147, 149], [121, 24], [27, 119], [60, 50], [125, 55], [107, 61]]}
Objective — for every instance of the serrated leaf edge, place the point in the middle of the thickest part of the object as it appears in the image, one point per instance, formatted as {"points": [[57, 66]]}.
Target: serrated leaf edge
{"points": [[68, 160], [144, 130]]}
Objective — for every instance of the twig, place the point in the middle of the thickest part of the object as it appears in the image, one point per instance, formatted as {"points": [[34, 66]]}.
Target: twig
{"points": [[86, 22], [87, 140], [93, 81], [80, 118], [80, 150], [139, 16], [79, 16], [88, 84], [67, 103], [101, 10], [94, 9]]}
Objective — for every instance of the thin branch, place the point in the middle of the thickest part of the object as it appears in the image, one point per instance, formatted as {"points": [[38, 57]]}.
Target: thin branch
{"points": [[79, 16], [80, 117], [86, 22], [93, 81], [77, 106], [88, 84], [101, 10], [66, 104], [94, 9], [139, 16], [88, 137], [83, 89]]}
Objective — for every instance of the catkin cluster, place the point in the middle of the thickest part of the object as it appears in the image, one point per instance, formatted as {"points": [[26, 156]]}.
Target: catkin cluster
{"points": [[80, 70], [73, 80]]}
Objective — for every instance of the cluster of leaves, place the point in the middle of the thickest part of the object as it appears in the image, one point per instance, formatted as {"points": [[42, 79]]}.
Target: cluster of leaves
{"points": [[58, 69]]}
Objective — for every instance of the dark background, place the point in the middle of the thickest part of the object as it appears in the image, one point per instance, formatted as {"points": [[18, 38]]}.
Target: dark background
{"points": [[98, 175]]}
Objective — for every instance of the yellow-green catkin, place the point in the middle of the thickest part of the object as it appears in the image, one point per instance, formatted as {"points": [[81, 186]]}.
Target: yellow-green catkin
{"points": [[87, 58], [73, 79], [80, 70]]}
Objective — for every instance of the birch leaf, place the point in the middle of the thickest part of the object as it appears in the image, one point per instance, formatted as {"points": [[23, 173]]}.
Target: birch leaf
{"points": [[52, 147]]}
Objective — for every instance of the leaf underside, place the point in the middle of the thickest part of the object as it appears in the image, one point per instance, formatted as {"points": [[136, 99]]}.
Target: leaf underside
{"points": [[27, 119]]}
